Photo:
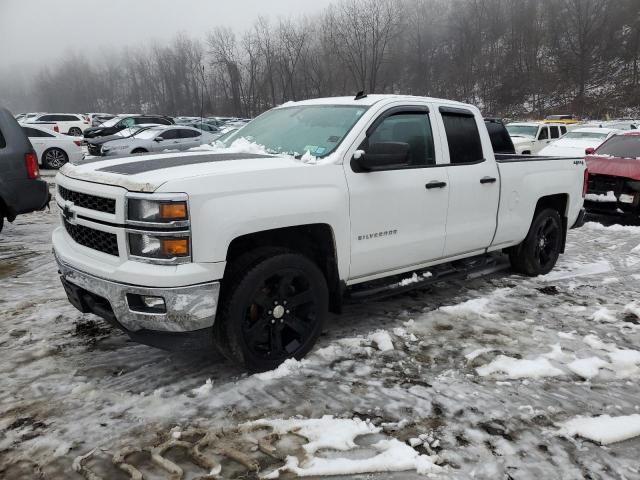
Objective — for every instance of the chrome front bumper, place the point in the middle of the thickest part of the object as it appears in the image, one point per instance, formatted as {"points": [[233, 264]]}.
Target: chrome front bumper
{"points": [[188, 308]]}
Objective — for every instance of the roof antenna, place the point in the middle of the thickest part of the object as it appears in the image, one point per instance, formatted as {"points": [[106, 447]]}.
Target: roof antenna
{"points": [[360, 95]]}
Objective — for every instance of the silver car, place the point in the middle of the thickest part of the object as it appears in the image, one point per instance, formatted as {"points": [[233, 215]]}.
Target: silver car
{"points": [[158, 139]]}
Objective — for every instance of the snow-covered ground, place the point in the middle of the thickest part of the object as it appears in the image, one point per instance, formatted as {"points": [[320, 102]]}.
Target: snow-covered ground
{"points": [[498, 377]]}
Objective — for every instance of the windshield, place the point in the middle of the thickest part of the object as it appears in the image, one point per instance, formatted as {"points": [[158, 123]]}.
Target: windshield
{"points": [[583, 135], [624, 146], [111, 122], [148, 133], [317, 129], [522, 130]]}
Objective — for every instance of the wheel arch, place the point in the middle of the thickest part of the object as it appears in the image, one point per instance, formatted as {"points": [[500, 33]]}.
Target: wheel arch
{"points": [[560, 203], [316, 241]]}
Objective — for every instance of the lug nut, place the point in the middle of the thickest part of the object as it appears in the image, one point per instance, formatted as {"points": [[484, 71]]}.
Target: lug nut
{"points": [[273, 322], [270, 312], [281, 320], [288, 311]]}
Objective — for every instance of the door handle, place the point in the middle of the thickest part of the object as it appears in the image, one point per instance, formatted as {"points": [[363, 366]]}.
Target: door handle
{"points": [[435, 184], [484, 180]]}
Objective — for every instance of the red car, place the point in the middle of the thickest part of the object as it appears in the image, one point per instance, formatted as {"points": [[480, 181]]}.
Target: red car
{"points": [[614, 176]]}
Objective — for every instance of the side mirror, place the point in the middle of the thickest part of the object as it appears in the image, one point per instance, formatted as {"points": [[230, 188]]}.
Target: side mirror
{"points": [[158, 139], [382, 155], [590, 151]]}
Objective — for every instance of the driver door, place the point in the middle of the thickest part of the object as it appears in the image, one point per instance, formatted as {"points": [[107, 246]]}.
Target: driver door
{"points": [[398, 214]]}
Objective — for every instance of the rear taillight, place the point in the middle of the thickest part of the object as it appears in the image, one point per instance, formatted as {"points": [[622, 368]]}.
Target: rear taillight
{"points": [[585, 185], [78, 142], [56, 129], [31, 162]]}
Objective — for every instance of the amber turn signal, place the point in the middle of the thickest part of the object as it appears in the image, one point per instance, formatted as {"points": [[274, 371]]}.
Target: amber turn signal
{"points": [[173, 211], [174, 247]]}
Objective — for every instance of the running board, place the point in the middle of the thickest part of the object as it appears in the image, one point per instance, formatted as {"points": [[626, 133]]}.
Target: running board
{"points": [[466, 269]]}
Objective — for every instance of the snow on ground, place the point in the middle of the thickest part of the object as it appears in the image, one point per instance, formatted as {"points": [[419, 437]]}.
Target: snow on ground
{"points": [[497, 377]]}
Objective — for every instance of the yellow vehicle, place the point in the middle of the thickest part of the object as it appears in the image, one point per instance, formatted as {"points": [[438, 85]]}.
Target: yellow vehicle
{"points": [[565, 119]]}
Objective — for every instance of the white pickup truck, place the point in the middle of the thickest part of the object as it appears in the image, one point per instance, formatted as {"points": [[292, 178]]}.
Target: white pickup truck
{"points": [[250, 251]]}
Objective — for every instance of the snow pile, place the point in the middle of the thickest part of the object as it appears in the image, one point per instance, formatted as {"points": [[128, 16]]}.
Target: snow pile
{"points": [[285, 369], [203, 389], [340, 434], [382, 340], [633, 230], [604, 315], [415, 278], [241, 145], [603, 429], [475, 306], [595, 197], [578, 270], [587, 367], [515, 368]]}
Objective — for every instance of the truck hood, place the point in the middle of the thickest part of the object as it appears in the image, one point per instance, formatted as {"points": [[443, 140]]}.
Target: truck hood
{"points": [[147, 173], [517, 140]]}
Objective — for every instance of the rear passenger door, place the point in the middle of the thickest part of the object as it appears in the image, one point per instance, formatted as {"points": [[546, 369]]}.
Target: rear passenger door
{"points": [[474, 184], [188, 138]]}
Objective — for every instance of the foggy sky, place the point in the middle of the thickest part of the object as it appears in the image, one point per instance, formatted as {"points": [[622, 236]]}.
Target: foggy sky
{"points": [[40, 31]]}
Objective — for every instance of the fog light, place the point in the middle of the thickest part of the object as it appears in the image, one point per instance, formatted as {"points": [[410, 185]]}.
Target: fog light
{"points": [[146, 303], [154, 302]]}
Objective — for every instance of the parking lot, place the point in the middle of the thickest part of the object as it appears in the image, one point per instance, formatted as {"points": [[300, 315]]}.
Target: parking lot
{"points": [[443, 370]]}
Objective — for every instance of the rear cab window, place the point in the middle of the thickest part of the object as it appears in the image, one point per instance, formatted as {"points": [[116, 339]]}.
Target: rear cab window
{"points": [[463, 136]]}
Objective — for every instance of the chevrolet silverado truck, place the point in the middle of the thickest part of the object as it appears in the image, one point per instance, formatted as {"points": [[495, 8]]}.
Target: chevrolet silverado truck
{"points": [[249, 248]]}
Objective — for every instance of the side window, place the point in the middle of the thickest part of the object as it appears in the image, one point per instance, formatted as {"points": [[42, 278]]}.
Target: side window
{"points": [[31, 132], [411, 128], [563, 130], [3, 144], [184, 133], [46, 118], [544, 134], [126, 123], [161, 121], [169, 134], [463, 136], [142, 120], [71, 118], [555, 132]]}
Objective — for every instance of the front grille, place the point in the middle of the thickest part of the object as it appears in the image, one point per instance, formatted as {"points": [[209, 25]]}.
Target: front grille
{"points": [[95, 239], [92, 202]]}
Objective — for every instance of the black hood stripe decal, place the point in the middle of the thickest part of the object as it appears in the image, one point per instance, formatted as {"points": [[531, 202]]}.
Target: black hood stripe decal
{"points": [[140, 165]]}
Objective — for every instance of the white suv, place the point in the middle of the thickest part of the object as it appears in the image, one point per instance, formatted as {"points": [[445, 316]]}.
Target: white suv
{"points": [[531, 137], [68, 123]]}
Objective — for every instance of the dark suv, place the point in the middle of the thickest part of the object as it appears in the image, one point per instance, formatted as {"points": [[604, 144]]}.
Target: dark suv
{"points": [[113, 126], [21, 189]]}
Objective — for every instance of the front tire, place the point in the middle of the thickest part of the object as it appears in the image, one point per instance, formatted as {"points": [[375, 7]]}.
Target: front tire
{"points": [[273, 309], [75, 131], [539, 252], [140, 150], [54, 158]]}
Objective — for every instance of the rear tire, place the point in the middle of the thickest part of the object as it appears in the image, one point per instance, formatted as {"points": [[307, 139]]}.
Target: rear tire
{"points": [[140, 150], [539, 252], [54, 158], [273, 308], [75, 131]]}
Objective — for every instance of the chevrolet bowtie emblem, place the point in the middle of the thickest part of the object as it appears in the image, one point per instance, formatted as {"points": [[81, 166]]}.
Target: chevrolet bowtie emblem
{"points": [[68, 214]]}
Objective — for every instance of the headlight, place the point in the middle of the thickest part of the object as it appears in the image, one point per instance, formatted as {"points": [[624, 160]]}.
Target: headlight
{"points": [[158, 227], [160, 248], [169, 210]]}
